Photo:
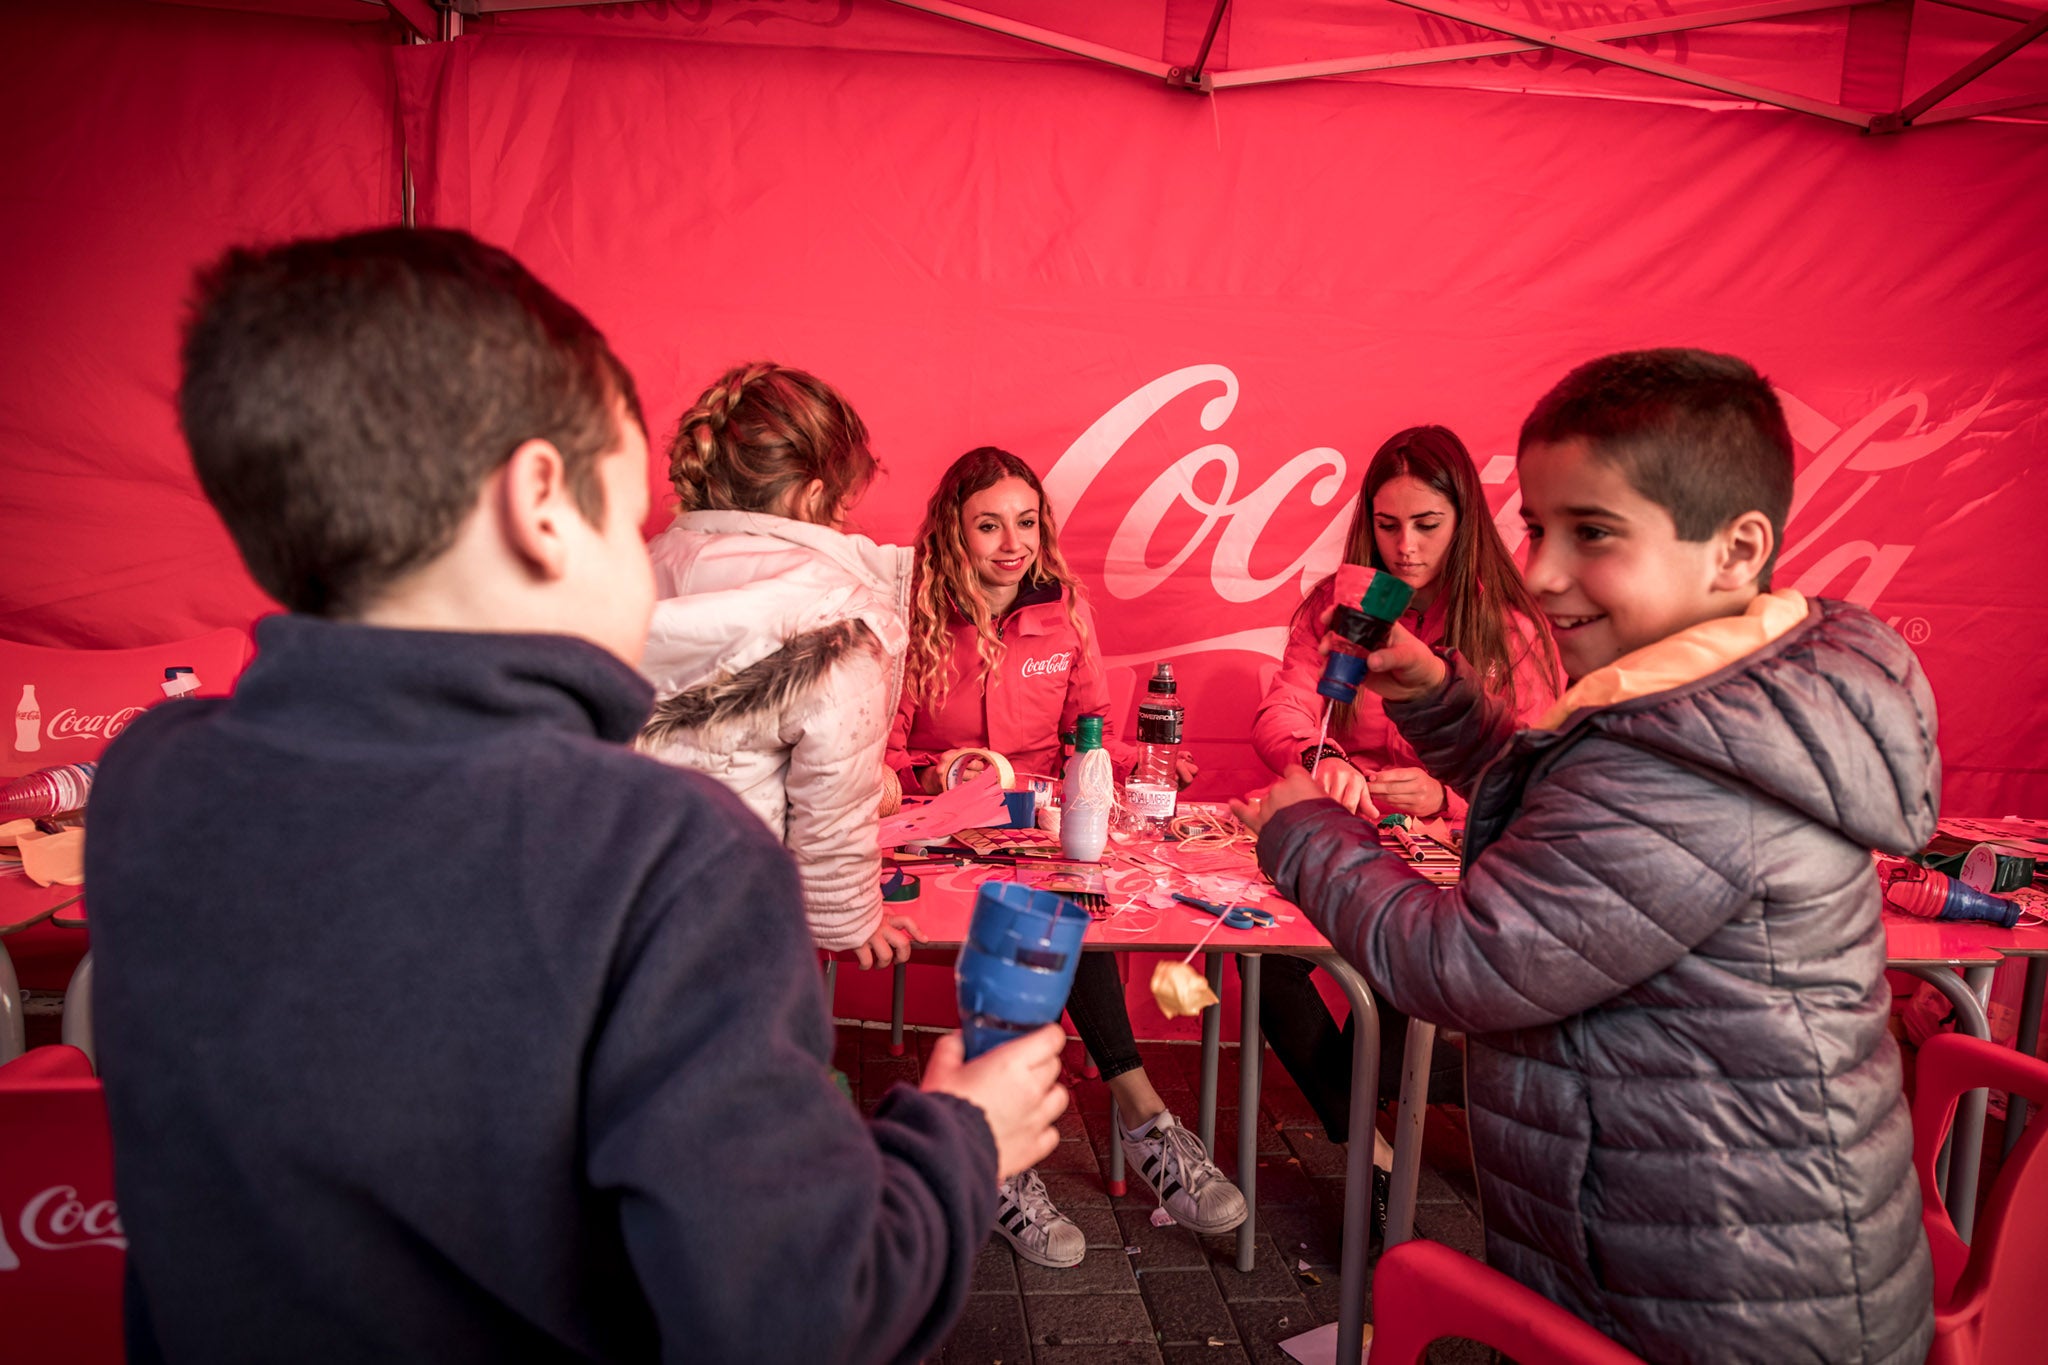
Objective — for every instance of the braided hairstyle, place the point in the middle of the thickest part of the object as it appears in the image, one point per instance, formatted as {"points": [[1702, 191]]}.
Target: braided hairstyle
{"points": [[946, 581], [763, 430]]}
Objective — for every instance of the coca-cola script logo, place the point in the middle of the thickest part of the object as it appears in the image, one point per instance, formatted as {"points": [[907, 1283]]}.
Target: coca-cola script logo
{"points": [[1231, 524], [73, 724], [58, 1220], [1055, 663]]}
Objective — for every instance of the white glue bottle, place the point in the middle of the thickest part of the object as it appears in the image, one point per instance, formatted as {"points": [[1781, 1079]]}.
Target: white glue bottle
{"points": [[1090, 794]]}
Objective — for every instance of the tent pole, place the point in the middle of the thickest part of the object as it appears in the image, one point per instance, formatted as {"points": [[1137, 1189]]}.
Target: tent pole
{"points": [[2014, 41], [1653, 66], [1983, 107], [1044, 37], [1428, 56], [1194, 78], [1997, 9]]}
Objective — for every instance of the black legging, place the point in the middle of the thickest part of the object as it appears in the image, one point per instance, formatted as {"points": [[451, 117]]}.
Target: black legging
{"points": [[1317, 1053], [1096, 1005]]}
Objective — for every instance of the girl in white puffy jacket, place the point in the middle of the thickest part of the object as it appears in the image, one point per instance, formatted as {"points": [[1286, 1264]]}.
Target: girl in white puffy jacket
{"points": [[776, 649]]}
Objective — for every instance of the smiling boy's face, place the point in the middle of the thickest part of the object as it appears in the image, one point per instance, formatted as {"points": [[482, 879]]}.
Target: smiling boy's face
{"points": [[1606, 563]]}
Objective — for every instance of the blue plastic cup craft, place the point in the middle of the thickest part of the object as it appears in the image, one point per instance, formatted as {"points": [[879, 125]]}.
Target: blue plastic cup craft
{"points": [[1018, 963]]}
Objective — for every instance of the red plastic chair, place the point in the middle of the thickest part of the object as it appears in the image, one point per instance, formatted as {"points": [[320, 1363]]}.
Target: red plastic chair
{"points": [[1987, 1292], [62, 1249], [1424, 1291]]}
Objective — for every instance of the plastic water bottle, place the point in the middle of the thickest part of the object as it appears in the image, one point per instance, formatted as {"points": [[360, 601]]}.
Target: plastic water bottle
{"points": [[1361, 629], [1929, 894], [47, 792], [1152, 791], [1090, 794]]}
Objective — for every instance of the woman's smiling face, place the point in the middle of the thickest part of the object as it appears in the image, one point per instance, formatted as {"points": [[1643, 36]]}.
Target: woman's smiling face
{"points": [[1000, 527]]}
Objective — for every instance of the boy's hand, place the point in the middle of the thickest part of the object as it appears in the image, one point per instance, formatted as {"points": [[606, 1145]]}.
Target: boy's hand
{"points": [[1185, 771], [1294, 785], [1404, 670], [1347, 786], [1016, 1086], [890, 943], [1408, 789]]}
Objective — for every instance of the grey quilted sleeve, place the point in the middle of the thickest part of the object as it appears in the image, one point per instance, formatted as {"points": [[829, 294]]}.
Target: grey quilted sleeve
{"points": [[1616, 865], [1457, 729]]}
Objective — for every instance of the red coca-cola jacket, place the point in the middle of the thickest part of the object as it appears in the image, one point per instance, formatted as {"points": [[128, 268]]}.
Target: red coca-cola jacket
{"points": [[1292, 710], [1046, 677]]}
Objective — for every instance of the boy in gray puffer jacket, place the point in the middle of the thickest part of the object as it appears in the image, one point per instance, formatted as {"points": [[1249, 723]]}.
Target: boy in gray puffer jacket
{"points": [[1665, 948]]}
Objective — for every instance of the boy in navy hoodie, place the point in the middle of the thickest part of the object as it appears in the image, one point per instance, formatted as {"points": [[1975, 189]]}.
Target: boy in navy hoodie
{"points": [[1665, 948], [437, 1023]]}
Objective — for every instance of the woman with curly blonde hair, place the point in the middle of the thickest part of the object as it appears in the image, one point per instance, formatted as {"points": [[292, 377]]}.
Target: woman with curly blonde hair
{"points": [[777, 645], [1004, 656]]}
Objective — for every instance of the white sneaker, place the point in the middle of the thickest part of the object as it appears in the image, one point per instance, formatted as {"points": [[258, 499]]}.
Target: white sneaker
{"points": [[1171, 1162], [1041, 1234]]}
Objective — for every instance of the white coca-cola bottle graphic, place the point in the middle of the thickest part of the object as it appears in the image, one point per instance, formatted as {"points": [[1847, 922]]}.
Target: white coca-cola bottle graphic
{"points": [[28, 722]]}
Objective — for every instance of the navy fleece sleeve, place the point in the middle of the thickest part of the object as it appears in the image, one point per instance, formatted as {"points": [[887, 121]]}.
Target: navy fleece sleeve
{"points": [[766, 1220], [1613, 868]]}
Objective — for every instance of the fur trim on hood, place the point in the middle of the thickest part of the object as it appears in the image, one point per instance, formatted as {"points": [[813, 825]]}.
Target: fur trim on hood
{"points": [[770, 686]]}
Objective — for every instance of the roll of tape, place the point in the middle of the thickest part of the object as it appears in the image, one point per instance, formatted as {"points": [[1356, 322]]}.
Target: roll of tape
{"points": [[900, 886], [956, 759]]}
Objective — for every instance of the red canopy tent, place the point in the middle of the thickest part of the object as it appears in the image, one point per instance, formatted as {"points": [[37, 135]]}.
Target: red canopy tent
{"points": [[1194, 261]]}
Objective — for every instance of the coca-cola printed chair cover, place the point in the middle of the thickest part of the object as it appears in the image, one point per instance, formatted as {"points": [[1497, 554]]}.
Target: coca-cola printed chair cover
{"points": [[1988, 1291], [65, 705], [61, 1243]]}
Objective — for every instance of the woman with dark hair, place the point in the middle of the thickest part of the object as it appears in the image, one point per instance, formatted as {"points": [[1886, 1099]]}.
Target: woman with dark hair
{"points": [[1422, 517], [1003, 656]]}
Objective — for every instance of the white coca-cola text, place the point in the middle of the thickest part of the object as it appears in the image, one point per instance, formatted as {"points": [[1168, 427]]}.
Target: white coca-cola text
{"points": [[72, 724], [1896, 433], [1053, 663], [58, 1220]]}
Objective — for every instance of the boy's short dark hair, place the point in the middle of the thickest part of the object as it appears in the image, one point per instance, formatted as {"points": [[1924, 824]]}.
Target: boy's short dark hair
{"points": [[1699, 434], [345, 399]]}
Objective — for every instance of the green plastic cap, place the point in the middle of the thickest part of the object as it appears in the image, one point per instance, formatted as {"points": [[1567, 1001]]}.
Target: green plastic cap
{"points": [[1386, 597], [1087, 734]]}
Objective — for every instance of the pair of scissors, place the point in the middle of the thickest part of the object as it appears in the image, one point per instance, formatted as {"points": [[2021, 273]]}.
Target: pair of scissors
{"points": [[1233, 916]]}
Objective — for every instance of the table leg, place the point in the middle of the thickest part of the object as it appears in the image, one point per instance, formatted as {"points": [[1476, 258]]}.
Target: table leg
{"points": [[1212, 1052], [2030, 1029], [1415, 1063], [831, 983], [1116, 1150], [1365, 1087], [1251, 1050], [896, 985], [1966, 1138], [1969, 1127], [77, 1023], [13, 1032]]}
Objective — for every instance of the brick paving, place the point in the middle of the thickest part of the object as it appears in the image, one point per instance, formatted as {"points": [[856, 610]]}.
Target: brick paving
{"points": [[1147, 1294]]}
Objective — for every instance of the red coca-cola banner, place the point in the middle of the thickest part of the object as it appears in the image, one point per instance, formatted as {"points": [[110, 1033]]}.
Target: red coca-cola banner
{"points": [[1196, 316]]}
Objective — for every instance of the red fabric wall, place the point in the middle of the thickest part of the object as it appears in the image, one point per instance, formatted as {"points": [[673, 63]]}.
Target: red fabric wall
{"points": [[980, 249], [140, 141]]}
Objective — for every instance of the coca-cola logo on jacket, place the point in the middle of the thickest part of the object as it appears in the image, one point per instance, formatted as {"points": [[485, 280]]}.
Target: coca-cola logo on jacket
{"points": [[59, 1220], [1051, 664]]}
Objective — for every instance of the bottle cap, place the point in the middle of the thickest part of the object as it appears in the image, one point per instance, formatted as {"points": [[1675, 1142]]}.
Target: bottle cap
{"points": [[1341, 675], [1087, 733], [1386, 597], [1162, 683]]}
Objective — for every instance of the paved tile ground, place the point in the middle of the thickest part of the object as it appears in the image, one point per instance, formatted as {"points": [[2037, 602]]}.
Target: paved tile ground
{"points": [[1163, 1294]]}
